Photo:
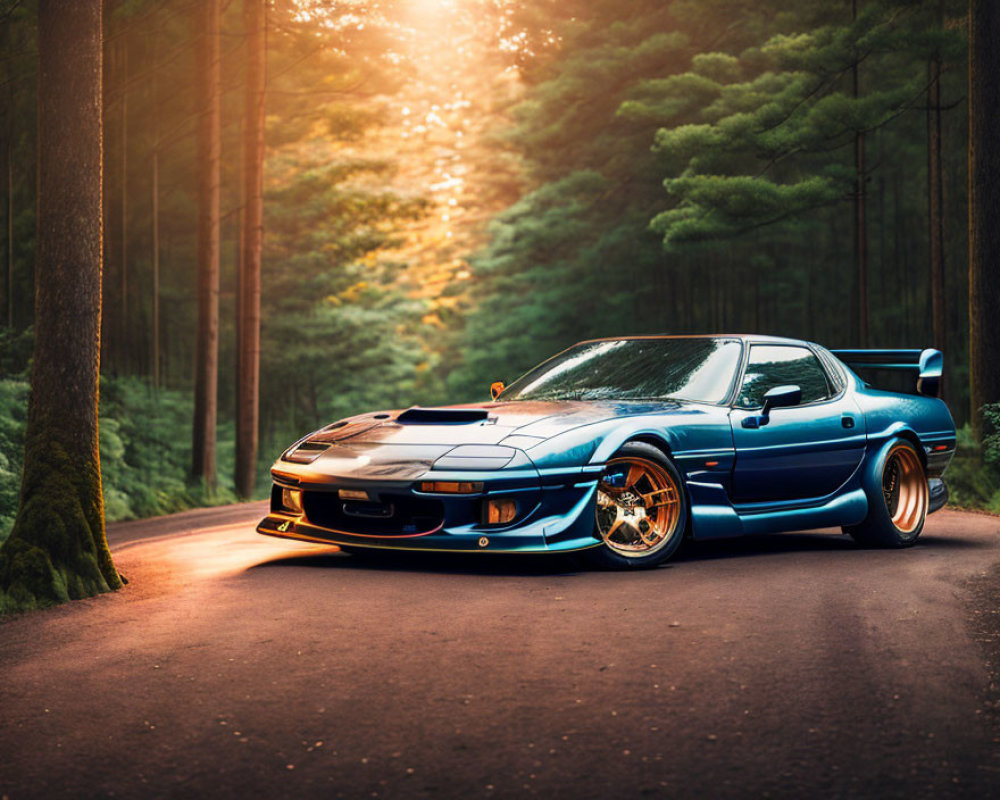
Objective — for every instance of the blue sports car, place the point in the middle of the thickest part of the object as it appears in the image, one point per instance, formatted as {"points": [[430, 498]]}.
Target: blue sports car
{"points": [[620, 448]]}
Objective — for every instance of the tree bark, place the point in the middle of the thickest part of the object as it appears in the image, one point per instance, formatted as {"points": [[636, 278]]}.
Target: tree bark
{"points": [[10, 188], [10, 222], [156, 257], [248, 349], [935, 221], [209, 69], [124, 344], [155, 210], [58, 549], [860, 227], [984, 208]]}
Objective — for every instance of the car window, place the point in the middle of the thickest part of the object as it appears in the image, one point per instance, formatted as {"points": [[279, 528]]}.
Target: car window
{"points": [[781, 365], [834, 370], [696, 368]]}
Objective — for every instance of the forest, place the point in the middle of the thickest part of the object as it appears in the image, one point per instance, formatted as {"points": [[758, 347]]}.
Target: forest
{"points": [[314, 208]]}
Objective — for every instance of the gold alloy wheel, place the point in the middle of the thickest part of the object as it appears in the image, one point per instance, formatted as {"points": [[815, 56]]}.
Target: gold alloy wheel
{"points": [[642, 514], [904, 488]]}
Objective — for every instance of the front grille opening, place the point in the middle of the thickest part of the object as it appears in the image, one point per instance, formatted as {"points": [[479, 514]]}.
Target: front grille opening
{"points": [[393, 515]]}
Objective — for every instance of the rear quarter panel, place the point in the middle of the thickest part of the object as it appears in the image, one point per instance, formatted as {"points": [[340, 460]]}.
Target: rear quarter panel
{"points": [[892, 414]]}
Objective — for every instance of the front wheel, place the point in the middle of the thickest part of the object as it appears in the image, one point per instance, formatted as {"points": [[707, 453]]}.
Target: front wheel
{"points": [[897, 504], [641, 509]]}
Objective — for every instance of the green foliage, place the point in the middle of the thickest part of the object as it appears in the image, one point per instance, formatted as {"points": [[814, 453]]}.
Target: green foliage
{"points": [[13, 416], [991, 437], [974, 474], [720, 205], [701, 180], [336, 337], [145, 451]]}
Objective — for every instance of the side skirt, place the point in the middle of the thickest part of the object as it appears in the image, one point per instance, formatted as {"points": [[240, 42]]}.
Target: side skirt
{"points": [[714, 517]]}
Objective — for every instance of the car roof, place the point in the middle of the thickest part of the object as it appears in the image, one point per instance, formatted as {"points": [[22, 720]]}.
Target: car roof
{"points": [[743, 337]]}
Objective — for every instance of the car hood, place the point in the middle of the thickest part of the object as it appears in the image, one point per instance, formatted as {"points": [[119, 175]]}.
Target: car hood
{"points": [[528, 422]]}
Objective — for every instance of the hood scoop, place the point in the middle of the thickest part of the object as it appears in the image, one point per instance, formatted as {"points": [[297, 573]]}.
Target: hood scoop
{"points": [[442, 416]]}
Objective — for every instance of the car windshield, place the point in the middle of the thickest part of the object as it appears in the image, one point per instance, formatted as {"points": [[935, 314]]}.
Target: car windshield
{"points": [[700, 369]]}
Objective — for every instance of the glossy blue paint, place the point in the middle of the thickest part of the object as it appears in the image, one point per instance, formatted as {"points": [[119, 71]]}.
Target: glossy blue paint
{"points": [[806, 466]]}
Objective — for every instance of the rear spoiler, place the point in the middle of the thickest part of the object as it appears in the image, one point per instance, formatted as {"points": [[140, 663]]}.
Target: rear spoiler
{"points": [[926, 363]]}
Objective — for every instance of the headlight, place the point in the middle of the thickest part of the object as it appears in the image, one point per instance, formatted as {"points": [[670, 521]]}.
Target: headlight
{"points": [[476, 456]]}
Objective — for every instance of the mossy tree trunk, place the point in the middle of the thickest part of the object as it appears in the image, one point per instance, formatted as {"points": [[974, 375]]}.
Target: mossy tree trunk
{"points": [[58, 549]]}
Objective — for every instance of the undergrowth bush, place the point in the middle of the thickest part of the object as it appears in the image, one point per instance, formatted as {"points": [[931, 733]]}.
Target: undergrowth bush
{"points": [[974, 475], [145, 440]]}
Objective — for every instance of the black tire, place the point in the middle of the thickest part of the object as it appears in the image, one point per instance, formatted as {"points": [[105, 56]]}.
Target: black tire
{"points": [[897, 500], [618, 555]]}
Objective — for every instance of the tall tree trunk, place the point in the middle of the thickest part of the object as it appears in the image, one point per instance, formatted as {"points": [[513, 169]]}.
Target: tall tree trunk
{"points": [[58, 549], [209, 65], [860, 228], [935, 221], [984, 207], [248, 348], [156, 252], [10, 221], [155, 210], [10, 186], [124, 347]]}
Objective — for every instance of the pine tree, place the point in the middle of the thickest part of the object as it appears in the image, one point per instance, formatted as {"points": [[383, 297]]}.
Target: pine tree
{"points": [[984, 207], [209, 111], [58, 549]]}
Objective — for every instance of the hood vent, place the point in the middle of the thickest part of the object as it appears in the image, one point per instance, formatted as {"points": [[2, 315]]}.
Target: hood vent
{"points": [[442, 416], [343, 430]]}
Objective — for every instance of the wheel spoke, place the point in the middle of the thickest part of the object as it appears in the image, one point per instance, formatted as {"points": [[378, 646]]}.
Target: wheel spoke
{"points": [[636, 521], [648, 536], [614, 527], [659, 497], [635, 473]]}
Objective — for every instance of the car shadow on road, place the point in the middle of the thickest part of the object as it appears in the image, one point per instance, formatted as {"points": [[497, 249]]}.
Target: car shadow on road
{"points": [[509, 564], [802, 542], [514, 565]]}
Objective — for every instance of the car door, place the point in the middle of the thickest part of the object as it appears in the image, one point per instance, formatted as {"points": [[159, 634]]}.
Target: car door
{"points": [[803, 452]]}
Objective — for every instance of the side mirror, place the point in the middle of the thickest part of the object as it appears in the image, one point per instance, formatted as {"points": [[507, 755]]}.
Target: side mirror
{"points": [[496, 389], [778, 397], [781, 397]]}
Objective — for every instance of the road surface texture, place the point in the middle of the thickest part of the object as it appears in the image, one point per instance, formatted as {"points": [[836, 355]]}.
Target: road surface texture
{"points": [[234, 665]]}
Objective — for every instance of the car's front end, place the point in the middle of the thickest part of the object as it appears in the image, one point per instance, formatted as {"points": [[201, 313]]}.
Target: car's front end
{"points": [[415, 482]]}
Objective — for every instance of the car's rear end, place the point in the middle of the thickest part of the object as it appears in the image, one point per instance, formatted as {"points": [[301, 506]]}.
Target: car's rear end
{"points": [[899, 393]]}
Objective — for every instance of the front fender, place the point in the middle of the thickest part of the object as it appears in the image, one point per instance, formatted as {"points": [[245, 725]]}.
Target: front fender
{"points": [[593, 445]]}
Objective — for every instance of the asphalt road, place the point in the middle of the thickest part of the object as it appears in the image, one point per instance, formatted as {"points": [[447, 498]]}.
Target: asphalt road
{"points": [[779, 666]]}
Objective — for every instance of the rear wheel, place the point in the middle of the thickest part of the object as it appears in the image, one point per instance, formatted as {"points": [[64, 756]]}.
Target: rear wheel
{"points": [[641, 509], [897, 506]]}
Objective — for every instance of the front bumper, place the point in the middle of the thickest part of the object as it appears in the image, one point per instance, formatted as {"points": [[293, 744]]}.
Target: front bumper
{"points": [[555, 511]]}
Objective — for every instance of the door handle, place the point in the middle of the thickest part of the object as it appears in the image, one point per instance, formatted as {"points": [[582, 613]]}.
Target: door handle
{"points": [[847, 421]]}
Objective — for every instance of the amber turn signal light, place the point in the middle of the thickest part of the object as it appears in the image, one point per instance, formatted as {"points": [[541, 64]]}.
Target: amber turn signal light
{"points": [[499, 512], [451, 487]]}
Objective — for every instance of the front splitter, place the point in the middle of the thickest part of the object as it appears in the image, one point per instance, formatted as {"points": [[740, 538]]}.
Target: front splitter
{"points": [[481, 541]]}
